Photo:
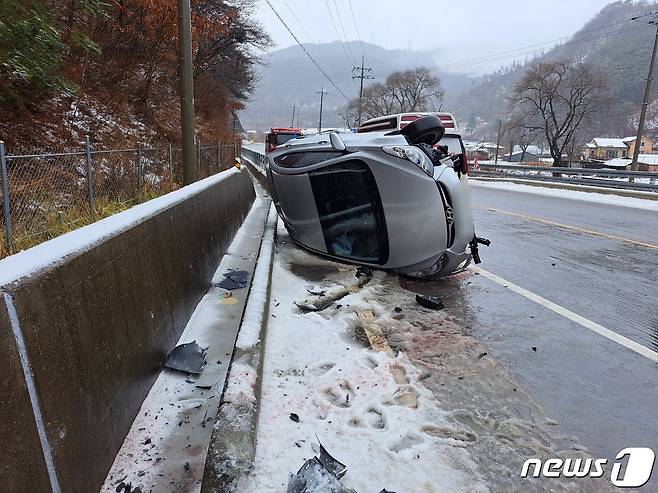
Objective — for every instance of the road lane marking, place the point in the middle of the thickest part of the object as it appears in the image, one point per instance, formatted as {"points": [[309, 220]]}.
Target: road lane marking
{"points": [[560, 310], [570, 228]]}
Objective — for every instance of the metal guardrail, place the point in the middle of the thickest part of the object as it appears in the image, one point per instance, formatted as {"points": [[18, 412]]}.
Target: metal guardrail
{"points": [[257, 158], [600, 177]]}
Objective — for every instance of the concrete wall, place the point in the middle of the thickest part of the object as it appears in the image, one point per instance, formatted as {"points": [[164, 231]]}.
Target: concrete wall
{"points": [[97, 328]]}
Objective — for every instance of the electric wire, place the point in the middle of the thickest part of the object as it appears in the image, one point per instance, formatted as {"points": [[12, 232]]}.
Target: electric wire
{"points": [[340, 39], [319, 67]]}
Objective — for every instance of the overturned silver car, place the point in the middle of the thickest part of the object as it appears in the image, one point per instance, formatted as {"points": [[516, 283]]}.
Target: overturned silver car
{"points": [[384, 200]]}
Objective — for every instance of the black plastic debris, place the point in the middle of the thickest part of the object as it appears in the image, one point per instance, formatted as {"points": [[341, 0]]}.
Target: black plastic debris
{"points": [[319, 475], [294, 417], [397, 309], [127, 488], [188, 358], [431, 302], [234, 279], [364, 271]]}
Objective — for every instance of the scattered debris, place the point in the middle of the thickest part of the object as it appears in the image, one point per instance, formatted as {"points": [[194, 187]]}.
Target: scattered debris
{"points": [[397, 309], [431, 302], [319, 475], [482, 355], [188, 358], [316, 303], [316, 291], [294, 417], [534, 348], [127, 488], [364, 271], [234, 280]]}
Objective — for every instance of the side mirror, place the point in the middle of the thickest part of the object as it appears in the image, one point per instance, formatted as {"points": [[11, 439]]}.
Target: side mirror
{"points": [[336, 142]]}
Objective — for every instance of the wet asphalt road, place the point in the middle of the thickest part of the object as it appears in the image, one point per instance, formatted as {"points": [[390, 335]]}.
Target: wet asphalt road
{"points": [[598, 390]]}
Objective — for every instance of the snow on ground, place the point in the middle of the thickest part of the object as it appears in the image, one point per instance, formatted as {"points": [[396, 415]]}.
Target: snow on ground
{"points": [[29, 262], [370, 411], [599, 198]]}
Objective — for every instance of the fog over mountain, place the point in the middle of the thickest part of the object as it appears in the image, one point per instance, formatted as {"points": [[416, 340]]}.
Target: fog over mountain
{"points": [[610, 42], [288, 77]]}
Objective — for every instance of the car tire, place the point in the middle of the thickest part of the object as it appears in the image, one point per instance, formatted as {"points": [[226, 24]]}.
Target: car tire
{"points": [[426, 130]]}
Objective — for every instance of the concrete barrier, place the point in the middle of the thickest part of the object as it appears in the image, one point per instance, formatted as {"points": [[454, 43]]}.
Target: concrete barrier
{"points": [[97, 326]]}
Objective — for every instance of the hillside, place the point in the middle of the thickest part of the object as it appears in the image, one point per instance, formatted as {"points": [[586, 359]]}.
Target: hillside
{"points": [[288, 76], [612, 44]]}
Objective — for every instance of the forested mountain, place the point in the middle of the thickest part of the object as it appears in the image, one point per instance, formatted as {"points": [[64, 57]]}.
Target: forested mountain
{"points": [[109, 69], [612, 43], [288, 77]]}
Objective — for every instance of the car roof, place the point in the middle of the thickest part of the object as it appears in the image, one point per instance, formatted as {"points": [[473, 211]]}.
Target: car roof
{"points": [[400, 120]]}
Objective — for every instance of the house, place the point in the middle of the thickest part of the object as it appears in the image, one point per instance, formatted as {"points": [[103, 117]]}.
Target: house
{"points": [[518, 156], [646, 162], [605, 149]]}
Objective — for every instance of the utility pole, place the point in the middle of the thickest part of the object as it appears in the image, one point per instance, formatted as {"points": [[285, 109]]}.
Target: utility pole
{"points": [[186, 88], [500, 124], [322, 92], [645, 103], [363, 77], [294, 107]]}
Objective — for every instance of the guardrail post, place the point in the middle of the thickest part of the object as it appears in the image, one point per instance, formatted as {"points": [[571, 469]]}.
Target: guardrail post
{"points": [[5, 198], [90, 179]]}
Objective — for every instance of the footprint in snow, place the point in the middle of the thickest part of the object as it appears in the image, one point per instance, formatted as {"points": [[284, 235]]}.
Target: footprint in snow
{"points": [[375, 418], [406, 442], [321, 368], [447, 432], [341, 395]]}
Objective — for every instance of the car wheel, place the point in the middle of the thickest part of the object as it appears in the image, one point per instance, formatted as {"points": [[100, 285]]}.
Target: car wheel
{"points": [[426, 130]]}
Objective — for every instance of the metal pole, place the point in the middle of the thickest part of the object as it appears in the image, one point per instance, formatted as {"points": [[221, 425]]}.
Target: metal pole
{"points": [[140, 177], [90, 179], [199, 167], [322, 93], [171, 160], [5, 198], [500, 124], [292, 123], [186, 77], [645, 105]]}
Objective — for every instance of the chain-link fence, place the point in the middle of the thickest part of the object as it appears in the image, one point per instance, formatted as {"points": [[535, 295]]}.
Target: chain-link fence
{"points": [[44, 195]]}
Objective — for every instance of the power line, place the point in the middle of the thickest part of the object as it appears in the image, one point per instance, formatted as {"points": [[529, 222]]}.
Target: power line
{"points": [[340, 40], [545, 44], [342, 27], [519, 52], [306, 51], [356, 26], [301, 24]]}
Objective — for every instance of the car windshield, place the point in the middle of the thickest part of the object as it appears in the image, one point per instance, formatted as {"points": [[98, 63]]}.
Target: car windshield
{"points": [[453, 143], [283, 138]]}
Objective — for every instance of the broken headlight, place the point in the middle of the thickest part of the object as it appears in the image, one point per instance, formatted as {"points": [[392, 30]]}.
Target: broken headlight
{"points": [[411, 154]]}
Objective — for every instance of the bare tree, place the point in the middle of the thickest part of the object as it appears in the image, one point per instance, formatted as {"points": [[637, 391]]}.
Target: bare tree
{"points": [[556, 99], [411, 90]]}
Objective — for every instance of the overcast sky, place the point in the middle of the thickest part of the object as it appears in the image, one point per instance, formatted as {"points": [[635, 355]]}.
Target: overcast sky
{"points": [[456, 30]]}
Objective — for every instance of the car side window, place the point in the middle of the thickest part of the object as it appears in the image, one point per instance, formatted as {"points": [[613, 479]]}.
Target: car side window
{"points": [[351, 213], [302, 159]]}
